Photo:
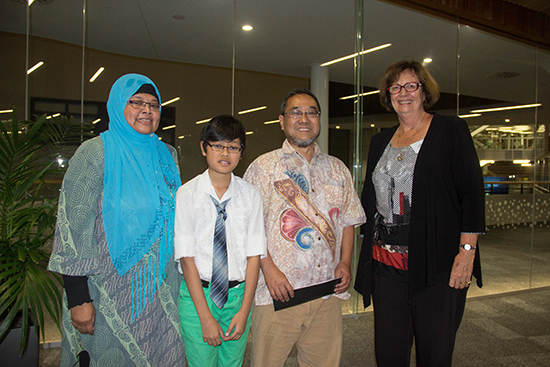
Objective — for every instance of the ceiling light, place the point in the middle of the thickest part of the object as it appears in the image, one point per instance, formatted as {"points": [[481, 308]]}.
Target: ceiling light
{"points": [[337, 126], [249, 132], [506, 120], [469, 115], [507, 108], [371, 125], [10, 111], [202, 121], [356, 54], [39, 64], [169, 127], [252, 110], [483, 162], [247, 27], [170, 101], [95, 121], [54, 115], [526, 164], [97, 73], [271, 122], [521, 161], [427, 60], [361, 95]]}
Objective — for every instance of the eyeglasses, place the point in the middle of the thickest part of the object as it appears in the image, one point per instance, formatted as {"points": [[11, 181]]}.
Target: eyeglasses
{"points": [[218, 148], [409, 87], [296, 114], [140, 105]]}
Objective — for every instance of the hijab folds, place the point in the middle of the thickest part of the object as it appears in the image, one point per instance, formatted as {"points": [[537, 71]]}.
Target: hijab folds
{"points": [[140, 183]]}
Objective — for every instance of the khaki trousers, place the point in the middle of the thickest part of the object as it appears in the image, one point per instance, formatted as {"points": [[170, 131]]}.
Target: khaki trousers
{"points": [[315, 327]]}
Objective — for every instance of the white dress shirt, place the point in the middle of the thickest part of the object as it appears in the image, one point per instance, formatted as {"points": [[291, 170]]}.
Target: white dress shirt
{"points": [[196, 217]]}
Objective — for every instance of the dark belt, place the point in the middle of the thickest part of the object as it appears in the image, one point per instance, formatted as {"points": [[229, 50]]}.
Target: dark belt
{"points": [[232, 283]]}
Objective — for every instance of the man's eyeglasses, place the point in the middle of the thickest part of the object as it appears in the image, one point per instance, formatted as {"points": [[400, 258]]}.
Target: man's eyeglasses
{"points": [[140, 105], [218, 148], [409, 87], [296, 114]]}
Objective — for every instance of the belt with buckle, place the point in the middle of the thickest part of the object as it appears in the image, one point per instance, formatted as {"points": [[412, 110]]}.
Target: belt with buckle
{"points": [[232, 283]]}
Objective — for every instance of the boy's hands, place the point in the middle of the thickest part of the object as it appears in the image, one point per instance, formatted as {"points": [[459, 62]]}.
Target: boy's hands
{"points": [[211, 332], [238, 325]]}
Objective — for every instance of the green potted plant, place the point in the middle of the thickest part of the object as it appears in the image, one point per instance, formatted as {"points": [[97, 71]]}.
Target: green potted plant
{"points": [[28, 157]]}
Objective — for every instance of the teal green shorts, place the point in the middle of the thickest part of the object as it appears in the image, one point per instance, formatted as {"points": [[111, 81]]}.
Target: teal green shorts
{"points": [[199, 353]]}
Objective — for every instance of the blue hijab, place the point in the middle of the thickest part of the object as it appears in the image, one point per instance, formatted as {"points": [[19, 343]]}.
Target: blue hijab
{"points": [[140, 181]]}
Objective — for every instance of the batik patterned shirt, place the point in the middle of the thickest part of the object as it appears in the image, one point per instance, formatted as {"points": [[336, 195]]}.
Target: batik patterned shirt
{"points": [[307, 205]]}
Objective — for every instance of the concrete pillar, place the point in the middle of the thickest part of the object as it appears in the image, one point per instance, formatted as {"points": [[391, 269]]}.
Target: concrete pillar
{"points": [[319, 87]]}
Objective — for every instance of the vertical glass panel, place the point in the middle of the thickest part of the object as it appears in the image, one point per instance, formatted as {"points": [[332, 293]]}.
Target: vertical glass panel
{"points": [[40, 31], [405, 45], [41, 74], [541, 233], [499, 73], [287, 41], [406, 31], [283, 51], [56, 41], [13, 29], [186, 48]]}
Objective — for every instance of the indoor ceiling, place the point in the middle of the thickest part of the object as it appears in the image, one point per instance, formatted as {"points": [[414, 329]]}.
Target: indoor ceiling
{"points": [[291, 35], [542, 6]]}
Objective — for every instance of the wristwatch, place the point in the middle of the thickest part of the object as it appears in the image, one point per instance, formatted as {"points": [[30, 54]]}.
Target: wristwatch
{"points": [[467, 246]]}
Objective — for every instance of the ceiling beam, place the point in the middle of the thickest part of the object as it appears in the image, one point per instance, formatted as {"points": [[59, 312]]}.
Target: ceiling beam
{"points": [[494, 16]]}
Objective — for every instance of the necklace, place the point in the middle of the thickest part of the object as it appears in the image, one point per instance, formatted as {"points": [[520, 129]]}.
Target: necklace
{"points": [[400, 156]]}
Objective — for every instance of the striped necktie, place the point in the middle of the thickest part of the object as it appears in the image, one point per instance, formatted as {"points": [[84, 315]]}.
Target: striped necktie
{"points": [[220, 282]]}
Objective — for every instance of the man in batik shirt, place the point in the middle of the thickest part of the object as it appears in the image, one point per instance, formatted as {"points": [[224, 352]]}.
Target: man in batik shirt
{"points": [[310, 211]]}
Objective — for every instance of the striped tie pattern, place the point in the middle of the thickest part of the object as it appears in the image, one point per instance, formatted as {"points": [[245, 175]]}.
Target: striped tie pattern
{"points": [[220, 282]]}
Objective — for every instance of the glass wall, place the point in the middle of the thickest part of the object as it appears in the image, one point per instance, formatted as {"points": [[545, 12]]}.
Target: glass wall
{"points": [[496, 73], [206, 64], [477, 72]]}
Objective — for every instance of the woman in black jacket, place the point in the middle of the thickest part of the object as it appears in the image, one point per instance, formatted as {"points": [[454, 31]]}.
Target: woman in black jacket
{"points": [[424, 200]]}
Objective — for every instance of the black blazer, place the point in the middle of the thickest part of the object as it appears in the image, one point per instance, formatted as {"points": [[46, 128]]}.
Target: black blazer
{"points": [[447, 199]]}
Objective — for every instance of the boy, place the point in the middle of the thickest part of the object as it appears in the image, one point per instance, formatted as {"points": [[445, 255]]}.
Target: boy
{"points": [[214, 299]]}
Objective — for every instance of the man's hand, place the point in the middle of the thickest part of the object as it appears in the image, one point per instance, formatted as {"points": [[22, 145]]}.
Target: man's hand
{"points": [[279, 286], [83, 318], [342, 270]]}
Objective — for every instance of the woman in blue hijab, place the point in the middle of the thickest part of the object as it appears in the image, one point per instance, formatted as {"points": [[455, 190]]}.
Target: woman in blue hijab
{"points": [[113, 240]]}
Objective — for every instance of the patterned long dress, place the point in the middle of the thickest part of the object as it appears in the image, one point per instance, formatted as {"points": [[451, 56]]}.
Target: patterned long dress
{"points": [[120, 338]]}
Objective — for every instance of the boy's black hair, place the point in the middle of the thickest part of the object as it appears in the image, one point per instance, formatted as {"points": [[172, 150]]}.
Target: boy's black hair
{"points": [[223, 128]]}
